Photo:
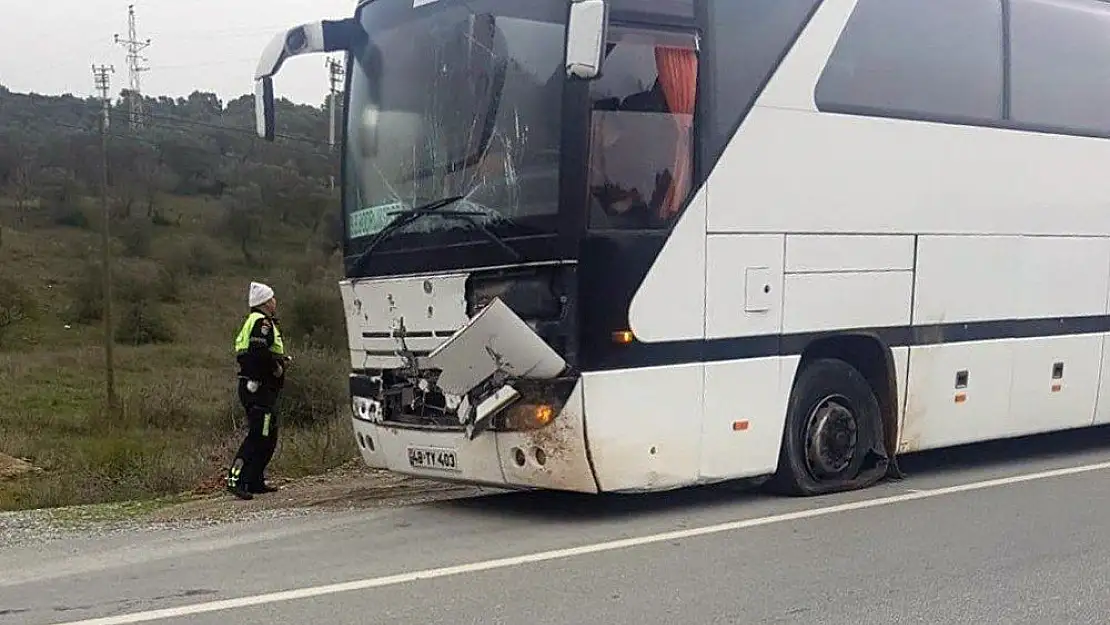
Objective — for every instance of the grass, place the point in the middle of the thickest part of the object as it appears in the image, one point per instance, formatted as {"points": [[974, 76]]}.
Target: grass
{"points": [[81, 516], [178, 303]]}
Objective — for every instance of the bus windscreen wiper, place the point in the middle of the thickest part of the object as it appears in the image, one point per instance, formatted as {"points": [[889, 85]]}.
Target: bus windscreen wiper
{"points": [[400, 221], [431, 208]]}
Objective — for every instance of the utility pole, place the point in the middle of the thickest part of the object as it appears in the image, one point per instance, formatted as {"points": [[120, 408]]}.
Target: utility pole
{"points": [[335, 78], [135, 67], [103, 86]]}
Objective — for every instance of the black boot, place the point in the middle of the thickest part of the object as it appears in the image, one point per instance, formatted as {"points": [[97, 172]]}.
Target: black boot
{"points": [[240, 491], [236, 487]]}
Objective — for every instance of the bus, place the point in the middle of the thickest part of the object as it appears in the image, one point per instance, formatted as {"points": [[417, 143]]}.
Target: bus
{"points": [[640, 245]]}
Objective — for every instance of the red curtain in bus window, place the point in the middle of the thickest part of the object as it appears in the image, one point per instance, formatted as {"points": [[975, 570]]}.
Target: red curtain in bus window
{"points": [[678, 77]]}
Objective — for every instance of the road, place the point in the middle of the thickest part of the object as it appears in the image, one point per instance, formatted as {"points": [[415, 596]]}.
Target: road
{"points": [[1011, 533]]}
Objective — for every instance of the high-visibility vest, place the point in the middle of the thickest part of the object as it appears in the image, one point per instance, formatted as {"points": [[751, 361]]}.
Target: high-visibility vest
{"points": [[243, 339]]}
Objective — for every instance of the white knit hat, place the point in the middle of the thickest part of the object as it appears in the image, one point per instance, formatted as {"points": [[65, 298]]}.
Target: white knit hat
{"points": [[259, 294]]}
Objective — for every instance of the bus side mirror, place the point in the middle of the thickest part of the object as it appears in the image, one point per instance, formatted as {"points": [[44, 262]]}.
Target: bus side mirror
{"points": [[264, 119], [586, 35], [311, 38]]}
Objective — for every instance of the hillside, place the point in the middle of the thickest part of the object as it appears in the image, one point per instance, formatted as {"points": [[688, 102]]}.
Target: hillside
{"points": [[199, 207]]}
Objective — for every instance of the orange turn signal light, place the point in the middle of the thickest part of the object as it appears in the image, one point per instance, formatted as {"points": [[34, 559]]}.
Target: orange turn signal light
{"points": [[529, 416], [623, 337]]}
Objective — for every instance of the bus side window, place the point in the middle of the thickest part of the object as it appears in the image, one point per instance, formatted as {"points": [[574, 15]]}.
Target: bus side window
{"points": [[641, 135]]}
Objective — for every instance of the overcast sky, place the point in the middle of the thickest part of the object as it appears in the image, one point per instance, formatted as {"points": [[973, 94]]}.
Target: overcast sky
{"points": [[49, 46]]}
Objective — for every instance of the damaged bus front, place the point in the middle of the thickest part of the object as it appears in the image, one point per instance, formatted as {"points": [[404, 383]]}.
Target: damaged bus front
{"points": [[464, 136]]}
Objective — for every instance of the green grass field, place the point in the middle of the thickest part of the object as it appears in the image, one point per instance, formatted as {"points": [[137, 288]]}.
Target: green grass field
{"points": [[179, 297]]}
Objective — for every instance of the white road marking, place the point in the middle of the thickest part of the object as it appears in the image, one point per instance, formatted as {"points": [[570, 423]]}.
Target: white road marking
{"points": [[557, 554]]}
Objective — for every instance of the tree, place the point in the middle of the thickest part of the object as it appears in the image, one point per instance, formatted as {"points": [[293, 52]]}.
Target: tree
{"points": [[244, 218]]}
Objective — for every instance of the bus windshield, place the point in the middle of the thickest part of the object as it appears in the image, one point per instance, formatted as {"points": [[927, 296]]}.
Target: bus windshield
{"points": [[454, 98]]}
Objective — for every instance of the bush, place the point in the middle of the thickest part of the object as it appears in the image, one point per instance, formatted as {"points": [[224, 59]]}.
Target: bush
{"points": [[315, 317], [137, 236], [131, 284], [170, 283], [16, 306], [135, 282], [315, 388], [199, 258], [132, 466], [311, 269], [316, 449], [143, 323], [88, 295], [203, 258], [173, 405], [69, 216]]}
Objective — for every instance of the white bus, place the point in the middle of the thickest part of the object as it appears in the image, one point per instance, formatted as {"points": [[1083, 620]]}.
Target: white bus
{"points": [[637, 245]]}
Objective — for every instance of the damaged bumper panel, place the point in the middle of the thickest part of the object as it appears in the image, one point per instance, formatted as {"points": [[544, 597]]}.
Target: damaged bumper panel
{"points": [[479, 364], [504, 414]]}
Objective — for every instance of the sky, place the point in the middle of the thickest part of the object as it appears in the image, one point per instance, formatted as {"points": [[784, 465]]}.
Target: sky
{"points": [[50, 46]]}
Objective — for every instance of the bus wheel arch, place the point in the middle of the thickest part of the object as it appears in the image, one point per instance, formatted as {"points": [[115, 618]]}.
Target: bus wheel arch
{"points": [[847, 381]]}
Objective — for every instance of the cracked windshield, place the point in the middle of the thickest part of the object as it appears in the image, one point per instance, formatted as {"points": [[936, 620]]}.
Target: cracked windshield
{"points": [[462, 102]]}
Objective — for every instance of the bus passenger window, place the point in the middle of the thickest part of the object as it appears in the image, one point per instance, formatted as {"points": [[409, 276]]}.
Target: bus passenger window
{"points": [[641, 135]]}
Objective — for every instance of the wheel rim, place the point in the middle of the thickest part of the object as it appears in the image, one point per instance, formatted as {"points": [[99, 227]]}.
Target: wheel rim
{"points": [[830, 435]]}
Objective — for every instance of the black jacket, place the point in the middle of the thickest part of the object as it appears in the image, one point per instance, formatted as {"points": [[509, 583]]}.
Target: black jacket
{"points": [[259, 362]]}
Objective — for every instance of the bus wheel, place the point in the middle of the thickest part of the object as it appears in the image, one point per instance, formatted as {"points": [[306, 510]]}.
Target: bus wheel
{"points": [[830, 423]]}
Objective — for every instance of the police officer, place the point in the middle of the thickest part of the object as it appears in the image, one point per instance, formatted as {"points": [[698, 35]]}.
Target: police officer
{"points": [[262, 360]]}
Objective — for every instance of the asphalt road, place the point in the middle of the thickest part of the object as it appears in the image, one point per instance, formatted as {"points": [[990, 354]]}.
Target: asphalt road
{"points": [[978, 536]]}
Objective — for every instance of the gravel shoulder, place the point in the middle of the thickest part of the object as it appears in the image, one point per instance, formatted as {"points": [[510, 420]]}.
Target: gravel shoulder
{"points": [[349, 487]]}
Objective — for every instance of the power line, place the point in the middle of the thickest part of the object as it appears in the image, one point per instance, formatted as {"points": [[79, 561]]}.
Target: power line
{"points": [[200, 124], [134, 67], [157, 144], [239, 129], [222, 62]]}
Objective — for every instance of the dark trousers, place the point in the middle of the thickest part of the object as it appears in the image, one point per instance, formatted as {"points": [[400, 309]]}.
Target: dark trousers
{"points": [[257, 449]]}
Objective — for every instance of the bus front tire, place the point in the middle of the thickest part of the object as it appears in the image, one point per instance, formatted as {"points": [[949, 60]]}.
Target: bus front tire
{"points": [[830, 423]]}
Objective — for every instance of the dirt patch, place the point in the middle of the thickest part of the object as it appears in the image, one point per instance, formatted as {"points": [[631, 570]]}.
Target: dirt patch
{"points": [[352, 485], [12, 468]]}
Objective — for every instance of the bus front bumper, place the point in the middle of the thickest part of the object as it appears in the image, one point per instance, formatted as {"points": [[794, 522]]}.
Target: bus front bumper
{"points": [[552, 457]]}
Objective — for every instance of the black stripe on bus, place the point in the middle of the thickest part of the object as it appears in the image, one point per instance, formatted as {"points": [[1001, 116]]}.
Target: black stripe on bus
{"points": [[410, 334], [637, 354]]}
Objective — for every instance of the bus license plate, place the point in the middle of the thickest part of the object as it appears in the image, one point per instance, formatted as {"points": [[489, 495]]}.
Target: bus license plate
{"points": [[433, 458]]}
